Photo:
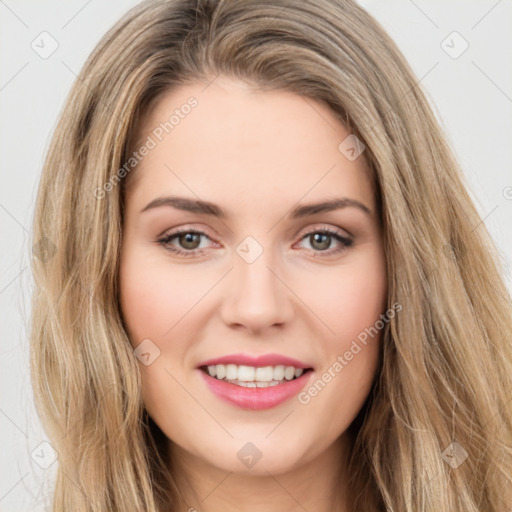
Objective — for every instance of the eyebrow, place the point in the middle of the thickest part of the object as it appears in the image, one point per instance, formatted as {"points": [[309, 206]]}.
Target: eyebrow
{"points": [[207, 208]]}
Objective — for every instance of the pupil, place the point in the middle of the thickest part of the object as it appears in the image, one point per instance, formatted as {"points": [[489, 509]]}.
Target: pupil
{"points": [[325, 244], [189, 239]]}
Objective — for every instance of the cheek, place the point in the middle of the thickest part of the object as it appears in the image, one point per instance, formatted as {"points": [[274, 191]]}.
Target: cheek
{"points": [[351, 297], [152, 302], [352, 310], [154, 299], [360, 301]]}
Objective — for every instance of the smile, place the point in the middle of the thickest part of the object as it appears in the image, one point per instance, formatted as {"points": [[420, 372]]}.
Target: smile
{"points": [[252, 376], [254, 388]]}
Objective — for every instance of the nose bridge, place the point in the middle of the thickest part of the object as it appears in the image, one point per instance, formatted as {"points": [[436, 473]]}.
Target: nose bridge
{"points": [[257, 298]]}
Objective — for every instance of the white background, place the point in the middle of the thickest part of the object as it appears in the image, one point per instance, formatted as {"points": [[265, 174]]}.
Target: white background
{"points": [[471, 95]]}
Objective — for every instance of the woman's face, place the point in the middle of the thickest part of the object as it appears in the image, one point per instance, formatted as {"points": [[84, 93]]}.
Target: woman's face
{"points": [[256, 282]]}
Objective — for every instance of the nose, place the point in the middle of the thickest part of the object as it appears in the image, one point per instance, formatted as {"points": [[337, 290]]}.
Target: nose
{"points": [[256, 297]]}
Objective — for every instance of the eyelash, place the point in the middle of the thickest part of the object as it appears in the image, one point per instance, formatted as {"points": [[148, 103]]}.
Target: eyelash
{"points": [[164, 241]]}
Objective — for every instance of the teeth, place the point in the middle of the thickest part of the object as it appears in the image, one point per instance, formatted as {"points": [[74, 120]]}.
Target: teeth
{"points": [[289, 372], [245, 373], [279, 372], [264, 374], [221, 371], [250, 376], [256, 384], [231, 371]]}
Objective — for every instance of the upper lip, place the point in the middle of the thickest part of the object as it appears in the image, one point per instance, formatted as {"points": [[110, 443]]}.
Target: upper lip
{"points": [[261, 360]]}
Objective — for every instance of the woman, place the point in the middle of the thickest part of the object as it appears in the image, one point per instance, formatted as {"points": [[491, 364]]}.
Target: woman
{"points": [[266, 289]]}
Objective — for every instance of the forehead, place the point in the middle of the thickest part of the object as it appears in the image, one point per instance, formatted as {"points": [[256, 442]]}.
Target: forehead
{"points": [[227, 139]]}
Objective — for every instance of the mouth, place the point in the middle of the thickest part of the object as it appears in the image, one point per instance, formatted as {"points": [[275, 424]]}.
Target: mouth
{"points": [[254, 376], [256, 382]]}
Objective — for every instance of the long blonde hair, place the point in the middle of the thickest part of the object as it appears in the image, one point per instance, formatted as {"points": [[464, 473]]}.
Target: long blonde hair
{"points": [[442, 391]]}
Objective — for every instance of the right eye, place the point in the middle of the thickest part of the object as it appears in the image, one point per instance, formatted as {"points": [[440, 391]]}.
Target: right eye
{"points": [[187, 238]]}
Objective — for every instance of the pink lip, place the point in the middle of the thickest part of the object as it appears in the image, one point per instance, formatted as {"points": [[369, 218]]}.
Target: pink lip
{"points": [[264, 360], [255, 398]]}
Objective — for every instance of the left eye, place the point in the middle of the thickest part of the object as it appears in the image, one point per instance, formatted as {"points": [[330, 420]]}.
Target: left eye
{"points": [[190, 240], [322, 238]]}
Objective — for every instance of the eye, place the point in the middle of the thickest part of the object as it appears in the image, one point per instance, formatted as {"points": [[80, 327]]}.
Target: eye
{"points": [[189, 241], [320, 240]]}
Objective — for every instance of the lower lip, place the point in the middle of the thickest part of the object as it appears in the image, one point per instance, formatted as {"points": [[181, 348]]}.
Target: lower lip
{"points": [[255, 398]]}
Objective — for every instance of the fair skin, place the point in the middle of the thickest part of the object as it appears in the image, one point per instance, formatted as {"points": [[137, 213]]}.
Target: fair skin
{"points": [[258, 156]]}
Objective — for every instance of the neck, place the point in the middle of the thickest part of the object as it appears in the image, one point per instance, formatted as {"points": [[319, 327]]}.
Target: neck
{"points": [[319, 484]]}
